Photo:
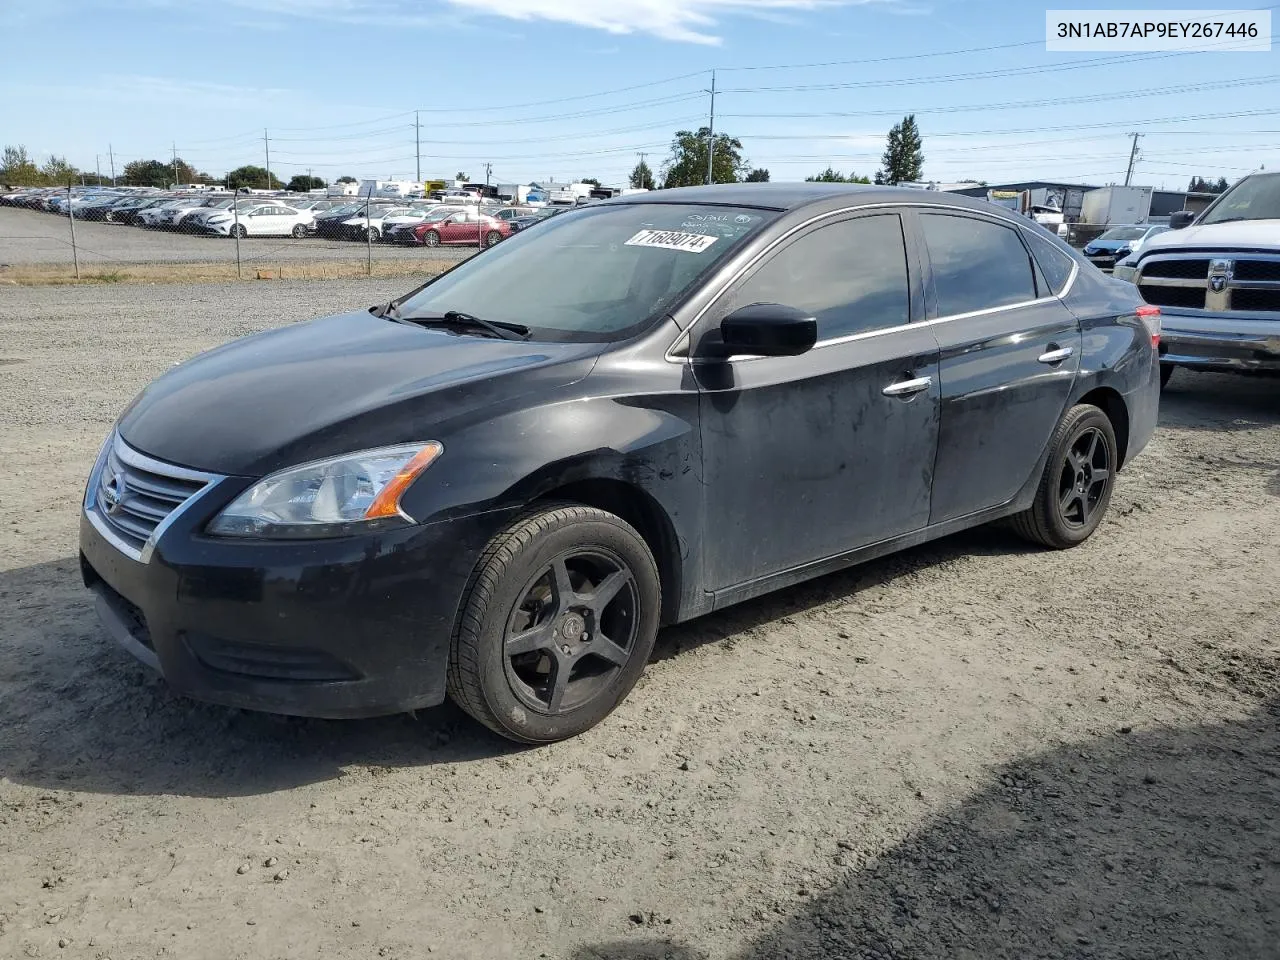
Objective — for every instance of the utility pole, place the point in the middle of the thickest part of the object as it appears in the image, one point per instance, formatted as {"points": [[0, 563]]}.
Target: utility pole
{"points": [[1133, 156], [111, 155], [711, 132], [488, 167], [97, 165], [417, 143], [266, 145], [644, 166], [175, 163]]}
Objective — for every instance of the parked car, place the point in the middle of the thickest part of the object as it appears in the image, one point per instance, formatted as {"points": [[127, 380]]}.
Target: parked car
{"points": [[537, 216], [463, 228], [260, 220], [167, 215], [407, 232], [368, 224], [1216, 278], [1118, 242], [331, 223], [497, 486]]}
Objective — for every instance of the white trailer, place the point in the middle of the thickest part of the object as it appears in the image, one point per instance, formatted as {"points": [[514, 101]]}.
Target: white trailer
{"points": [[1116, 205]]}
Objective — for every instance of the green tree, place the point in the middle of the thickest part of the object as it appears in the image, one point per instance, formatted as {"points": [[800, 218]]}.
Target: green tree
{"points": [[461, 176], [591, 180], [302, 183], [252, 178], [835, 176], [1221, 185], [687, 165], [147, 173], [758, 175], [57, 172], [642, 177], [903, 158], [347, 180], [17, 169]]}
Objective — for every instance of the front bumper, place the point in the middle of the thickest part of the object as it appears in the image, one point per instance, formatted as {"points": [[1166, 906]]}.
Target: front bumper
{"points": [[1228, 342], [350, 627]]}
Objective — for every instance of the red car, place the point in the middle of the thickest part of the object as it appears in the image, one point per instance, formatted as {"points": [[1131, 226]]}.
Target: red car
{"points": [[466, 227]]}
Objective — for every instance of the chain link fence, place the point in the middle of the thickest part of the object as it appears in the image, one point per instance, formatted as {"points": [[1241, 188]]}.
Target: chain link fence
{"points": [[87, 233]]}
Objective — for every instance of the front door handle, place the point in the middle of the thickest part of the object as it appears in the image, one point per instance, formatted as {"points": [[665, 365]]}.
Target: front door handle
{"points": [[907, 388], [1056, 355]]}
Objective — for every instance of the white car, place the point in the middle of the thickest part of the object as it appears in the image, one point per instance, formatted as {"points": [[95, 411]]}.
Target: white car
{"points": [[167, 214], [262, 220], [372, 227]]}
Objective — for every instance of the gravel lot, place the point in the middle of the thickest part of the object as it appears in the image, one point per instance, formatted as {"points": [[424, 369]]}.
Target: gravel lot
{"points": [[973, 750], [28, 237]]}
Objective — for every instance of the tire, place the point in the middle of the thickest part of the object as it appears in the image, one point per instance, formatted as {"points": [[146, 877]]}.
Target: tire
{"points": [[431, 239], [238, 232], [371, 235], [299, 231], [513, 593], [492, 238], [1166, 371], [1076, 486]]}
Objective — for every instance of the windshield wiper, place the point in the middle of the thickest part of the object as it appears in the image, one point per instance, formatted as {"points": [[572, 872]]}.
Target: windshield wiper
{"points": [[456, 318]]}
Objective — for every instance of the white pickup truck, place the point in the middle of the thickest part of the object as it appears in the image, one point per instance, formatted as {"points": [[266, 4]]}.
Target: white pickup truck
{"points": [[1216, 280]]}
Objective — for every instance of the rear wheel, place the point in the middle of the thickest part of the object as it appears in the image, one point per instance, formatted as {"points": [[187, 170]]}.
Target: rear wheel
{"points": [[1075, 488], [557, 624], [371, 234], [431, 239]]}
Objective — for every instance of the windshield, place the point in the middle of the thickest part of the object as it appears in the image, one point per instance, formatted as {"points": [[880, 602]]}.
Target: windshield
{"points": [[1124, 233], [598, 274], [1253, 198]]}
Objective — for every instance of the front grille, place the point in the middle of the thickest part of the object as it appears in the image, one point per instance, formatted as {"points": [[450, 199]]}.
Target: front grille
{"points": [[1177, 269], [1257, 270], [1161, 296], [1255, 300], [135, 494]]}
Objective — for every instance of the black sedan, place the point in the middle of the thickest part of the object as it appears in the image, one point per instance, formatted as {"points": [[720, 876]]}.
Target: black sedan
{"points": [[499, 486]]}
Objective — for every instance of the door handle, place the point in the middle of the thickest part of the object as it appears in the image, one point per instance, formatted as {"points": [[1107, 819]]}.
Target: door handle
{"points": [[1056, 355], [907, 388]]}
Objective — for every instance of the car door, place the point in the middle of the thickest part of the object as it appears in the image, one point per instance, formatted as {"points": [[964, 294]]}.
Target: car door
{"points": [[1010, 350], [811, 456]]}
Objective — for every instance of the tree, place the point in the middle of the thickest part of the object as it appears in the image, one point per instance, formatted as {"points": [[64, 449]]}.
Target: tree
{"points": [[835, 176], [758, 175], [461, 176], [57, 172], [302, 183], [17, 169], [147, 173], [182, 172], [347, 180], [687, 165], [1221, 185], [253, 178], [642, 177], [903, 157], [1202, 185], [591, 180]]}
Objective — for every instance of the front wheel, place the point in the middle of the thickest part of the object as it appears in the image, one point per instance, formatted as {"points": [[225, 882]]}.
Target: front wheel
{"points": [[238, 231], [1075, 488], [492, 238], [431, 239], [299, 231], [557, 624]]}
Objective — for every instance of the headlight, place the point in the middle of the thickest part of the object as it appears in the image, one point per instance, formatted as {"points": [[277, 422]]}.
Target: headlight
{"points": [[329, 498], [1126, 268]]}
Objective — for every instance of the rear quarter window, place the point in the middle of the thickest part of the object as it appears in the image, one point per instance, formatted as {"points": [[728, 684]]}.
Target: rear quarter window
{"points": [[1056, 263]]}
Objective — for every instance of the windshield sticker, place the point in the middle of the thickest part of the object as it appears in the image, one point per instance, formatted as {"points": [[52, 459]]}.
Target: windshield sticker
{"points": [[672, 240]]}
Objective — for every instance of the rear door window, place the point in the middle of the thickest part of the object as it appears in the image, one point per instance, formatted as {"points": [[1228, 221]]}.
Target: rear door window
{"points": [[977, 264]]}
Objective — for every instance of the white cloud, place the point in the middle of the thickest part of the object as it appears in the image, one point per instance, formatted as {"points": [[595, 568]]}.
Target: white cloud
{"points": [[686, 21]]}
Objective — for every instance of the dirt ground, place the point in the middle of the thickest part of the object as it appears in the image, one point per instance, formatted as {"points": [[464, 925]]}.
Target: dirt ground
{"points": [[973, 750]]}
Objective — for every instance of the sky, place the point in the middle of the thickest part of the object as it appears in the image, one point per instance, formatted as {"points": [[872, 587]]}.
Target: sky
{"points": [[565, 89]]}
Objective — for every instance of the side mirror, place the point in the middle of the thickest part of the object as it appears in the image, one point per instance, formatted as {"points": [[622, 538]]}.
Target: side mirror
{"points": [[768, 330], [1181, 219]]}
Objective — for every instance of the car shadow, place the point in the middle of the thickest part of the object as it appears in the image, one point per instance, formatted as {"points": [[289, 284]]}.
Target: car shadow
{"points": [[1219, 401], [78, 713], [1158, 843]]}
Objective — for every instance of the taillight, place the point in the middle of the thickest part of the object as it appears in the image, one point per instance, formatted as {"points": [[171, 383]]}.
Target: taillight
{"points": [[1150, 317]]}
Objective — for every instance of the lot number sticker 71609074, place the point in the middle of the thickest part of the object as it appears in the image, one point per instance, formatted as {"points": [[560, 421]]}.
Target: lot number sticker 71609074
{"points": [[672, 240]]}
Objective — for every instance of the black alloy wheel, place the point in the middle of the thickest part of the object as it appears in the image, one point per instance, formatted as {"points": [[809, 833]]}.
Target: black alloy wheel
{"points": [[1075, 487], [558, 622]]}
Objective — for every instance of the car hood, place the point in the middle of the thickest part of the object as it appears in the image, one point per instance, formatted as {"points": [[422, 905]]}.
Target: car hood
{"points": [[1111, 245], [331, 386], [1247, 234]]}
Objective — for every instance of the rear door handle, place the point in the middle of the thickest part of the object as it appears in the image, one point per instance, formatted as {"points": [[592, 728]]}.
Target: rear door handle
{"points": [[1056, 355], [906, 388]]}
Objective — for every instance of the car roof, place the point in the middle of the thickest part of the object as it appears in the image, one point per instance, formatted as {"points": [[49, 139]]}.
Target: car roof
{"points": [[792, 196]]}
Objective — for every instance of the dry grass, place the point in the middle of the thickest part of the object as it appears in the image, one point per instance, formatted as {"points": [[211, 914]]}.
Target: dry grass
{"points": [[41, 275]]}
